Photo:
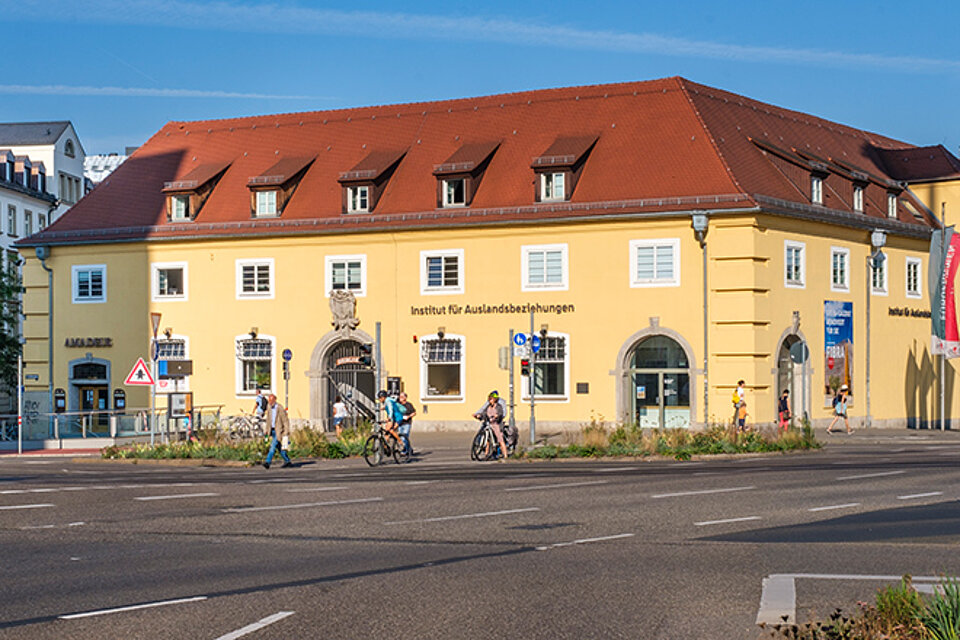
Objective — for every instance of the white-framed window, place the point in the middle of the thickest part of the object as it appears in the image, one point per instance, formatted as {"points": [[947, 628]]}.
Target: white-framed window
{"points": [[891, 205], [173, 347], [11, 220], [255, 278], [348, 273], [89, 283], [655, 263], [816, 189], [266, 203], [878, 277], [28, 223], [794, 273], [441, 271], [256, 366], [914, 275], [442, 368], [544, 267], [551, 371], [41, 221], [552, 186], [858, 198], [455, 192], [169, 280], [179, 207], [839, 269], [358, 199]]}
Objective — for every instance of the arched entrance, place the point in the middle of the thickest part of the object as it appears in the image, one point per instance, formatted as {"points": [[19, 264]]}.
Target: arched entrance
{"points": [[90, 390], [335, 371], [790, 374], [658, 378]]}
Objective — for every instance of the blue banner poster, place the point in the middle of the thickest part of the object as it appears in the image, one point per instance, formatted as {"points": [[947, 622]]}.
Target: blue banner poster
{"points": [[838, 346]]}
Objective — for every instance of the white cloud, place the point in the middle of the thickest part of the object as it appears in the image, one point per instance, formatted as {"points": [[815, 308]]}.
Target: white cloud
{"points": [[228, 15], [72, 90]]}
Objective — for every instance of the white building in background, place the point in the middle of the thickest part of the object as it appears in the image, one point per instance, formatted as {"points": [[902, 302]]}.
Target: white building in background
{"points": [[56, 145], [98, 167]]}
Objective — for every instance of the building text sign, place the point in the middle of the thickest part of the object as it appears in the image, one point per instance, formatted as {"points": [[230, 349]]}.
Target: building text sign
{"points": [[88, 342], [838, 345], [490, 309]]}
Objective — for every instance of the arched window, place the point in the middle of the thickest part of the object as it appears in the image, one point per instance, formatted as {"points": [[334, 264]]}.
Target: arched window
{"points": [[68, 149]]}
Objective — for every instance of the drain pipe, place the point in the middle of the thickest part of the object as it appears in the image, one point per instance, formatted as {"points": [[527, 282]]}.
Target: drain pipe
{"points": [[700, 225], [43, 254]]}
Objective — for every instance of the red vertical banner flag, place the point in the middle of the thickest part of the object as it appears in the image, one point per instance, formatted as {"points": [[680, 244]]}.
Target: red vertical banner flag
{"points": [[944, 261]]}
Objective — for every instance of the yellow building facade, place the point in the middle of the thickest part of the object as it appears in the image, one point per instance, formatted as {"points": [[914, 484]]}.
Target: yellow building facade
{"points": [[647, 314]]}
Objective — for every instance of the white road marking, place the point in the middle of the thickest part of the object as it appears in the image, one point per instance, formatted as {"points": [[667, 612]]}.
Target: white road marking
{"points": [[701, 492], [26, 506], [304, 489], [920, 495], [256, 626], [347, 475], [421, 481], [872, 475], [148, 605], [836, 506], [272, 480], [465, 516], [38, 461], [613, 470], [556, 486], [301, 506], [585, 541], [39, 526], [706, 473], [177, 496], [727, 520]]}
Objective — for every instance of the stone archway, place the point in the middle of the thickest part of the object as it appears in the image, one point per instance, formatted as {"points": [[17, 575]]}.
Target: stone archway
{"points": [[792, 376], [623, 370], [320, 396]]}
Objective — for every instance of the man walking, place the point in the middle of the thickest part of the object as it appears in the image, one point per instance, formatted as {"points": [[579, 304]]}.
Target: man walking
{"points": [[279, 425], [407, 422]]}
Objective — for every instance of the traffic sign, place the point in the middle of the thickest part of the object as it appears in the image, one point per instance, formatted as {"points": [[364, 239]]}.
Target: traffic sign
{"points": [[287, 355], [139, 375], [154, 350], [535, 343], [519, 339]]}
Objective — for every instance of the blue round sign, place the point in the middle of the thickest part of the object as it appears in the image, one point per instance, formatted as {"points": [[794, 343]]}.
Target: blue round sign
{"points": [[287, 355], [519, 339], [535, 343]]}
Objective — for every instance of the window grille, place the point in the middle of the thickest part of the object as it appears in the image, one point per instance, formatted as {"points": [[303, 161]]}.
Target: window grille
{"points": [[440, 351], [254, 349], [171, 350]]}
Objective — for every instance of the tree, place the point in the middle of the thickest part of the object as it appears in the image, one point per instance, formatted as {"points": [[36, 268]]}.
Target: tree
{"points": [[10, 296]]}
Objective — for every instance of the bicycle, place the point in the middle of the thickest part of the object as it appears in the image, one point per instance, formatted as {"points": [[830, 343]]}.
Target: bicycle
{"points": [[485, 446], [243, 427], [383, 443]]}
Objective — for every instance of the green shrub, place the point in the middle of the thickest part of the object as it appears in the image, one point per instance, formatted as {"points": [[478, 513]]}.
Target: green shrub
{"points": [[941, 617]]}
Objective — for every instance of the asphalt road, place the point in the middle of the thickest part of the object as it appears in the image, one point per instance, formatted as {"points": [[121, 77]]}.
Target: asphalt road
{"points": [[446, 548]]}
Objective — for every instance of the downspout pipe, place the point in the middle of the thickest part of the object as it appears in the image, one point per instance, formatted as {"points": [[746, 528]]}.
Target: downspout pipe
{"points": [[43, 253]]}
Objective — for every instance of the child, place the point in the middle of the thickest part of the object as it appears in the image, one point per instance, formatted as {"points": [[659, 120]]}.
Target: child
{"points": [[742, 417]]}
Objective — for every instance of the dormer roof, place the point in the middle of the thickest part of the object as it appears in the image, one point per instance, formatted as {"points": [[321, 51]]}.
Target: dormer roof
{"points": [[467, 158], [564, 152], [280, 173], [196, 178], [373, 165]]}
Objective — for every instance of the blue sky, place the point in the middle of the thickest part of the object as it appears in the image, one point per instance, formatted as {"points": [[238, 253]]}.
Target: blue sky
{"points": [[120, 69]]}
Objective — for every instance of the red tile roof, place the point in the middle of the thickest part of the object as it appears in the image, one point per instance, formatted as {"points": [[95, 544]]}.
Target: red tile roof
{"points": [[661, 146]]}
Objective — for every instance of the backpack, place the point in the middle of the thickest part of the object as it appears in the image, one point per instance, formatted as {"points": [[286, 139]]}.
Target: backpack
{"points": [[262, 403], [736, 398], [836, 400]]}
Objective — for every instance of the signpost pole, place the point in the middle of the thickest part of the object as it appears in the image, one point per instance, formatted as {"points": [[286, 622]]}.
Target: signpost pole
{"points": [[513, 423], [155, 324], [533, 393], [943, 352], [19, 404]]}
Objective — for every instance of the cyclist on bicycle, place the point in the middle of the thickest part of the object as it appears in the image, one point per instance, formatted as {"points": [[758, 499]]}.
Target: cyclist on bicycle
{"points": [[393, 411], [494, 410]]}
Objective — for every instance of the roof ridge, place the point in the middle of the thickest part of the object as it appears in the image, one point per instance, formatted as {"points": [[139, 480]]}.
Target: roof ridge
{"points": [[682, 82]]}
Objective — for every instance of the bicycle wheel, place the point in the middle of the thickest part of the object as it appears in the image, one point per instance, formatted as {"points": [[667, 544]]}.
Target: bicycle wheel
{"points": [[402, 452], [391, 447], [482, 448], [373, 450]]}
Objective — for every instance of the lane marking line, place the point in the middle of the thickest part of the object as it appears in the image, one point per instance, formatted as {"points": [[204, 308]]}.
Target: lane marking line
{"points": [[920, 495], [303, 505], [701, 492], [177, 496], [872, 475], [256, 626], [25, 506], [836, 506], [585, 541], [613, 470], [465, 516], [420, 481], [725, 521], [557, 486], [148, 605], [315, 489]]}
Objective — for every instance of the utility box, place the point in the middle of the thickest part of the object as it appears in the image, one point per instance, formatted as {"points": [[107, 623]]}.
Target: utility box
{"points": [[167, 369], [179, 405]]}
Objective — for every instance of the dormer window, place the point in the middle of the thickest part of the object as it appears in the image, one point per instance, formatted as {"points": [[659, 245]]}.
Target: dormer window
{"points": [[858, 198], [559, 167], [187, 195], [358, 199], [552, 186], [179, 207], [7, 161], [271, 191], [459, 176], [454, 192], [68, 149], [891, 205], [266, 203], [816, 189]]}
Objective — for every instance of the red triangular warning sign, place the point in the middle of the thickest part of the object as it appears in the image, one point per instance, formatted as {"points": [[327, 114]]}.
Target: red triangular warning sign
{"points": [[140, 374]]}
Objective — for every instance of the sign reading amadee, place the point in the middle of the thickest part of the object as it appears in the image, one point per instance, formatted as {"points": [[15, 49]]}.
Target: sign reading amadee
{"points": [[88, 342]]}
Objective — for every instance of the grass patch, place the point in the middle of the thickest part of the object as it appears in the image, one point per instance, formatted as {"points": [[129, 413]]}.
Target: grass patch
{"points": [[898, 613], [598, 440]]}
